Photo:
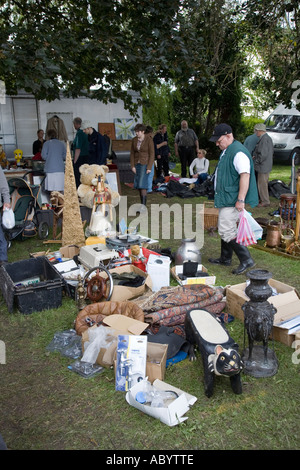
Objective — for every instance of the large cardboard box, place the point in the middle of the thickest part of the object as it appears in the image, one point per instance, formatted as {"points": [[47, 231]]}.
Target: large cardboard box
{"points": [[121, 293], [120, 325], [178, 269], [156, 361], [116, 325], [287, 303]]}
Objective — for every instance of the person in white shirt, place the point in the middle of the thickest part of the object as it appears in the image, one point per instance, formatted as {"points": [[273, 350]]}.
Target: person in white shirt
{"points": [[199, 167]]}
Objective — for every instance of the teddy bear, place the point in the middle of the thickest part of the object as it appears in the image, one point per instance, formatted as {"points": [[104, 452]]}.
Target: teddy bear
{"points": [[3, 160], [89, 180]]}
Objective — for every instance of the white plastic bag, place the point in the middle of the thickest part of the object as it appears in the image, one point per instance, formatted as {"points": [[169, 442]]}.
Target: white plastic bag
{"points": [[8, 218], [245, 236], [255, 227]]}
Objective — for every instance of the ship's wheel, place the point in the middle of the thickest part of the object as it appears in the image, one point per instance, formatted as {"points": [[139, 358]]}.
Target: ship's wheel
{"points": [[97, 286]]}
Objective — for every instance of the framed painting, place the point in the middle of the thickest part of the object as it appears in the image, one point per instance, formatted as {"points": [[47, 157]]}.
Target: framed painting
{"points": [[107, 128], [124, 128]]}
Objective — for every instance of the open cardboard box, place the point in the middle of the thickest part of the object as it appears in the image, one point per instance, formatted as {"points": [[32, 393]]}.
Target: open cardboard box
{"points": [[156, 361], [116, 325], [173, 413], [178, 269], [122, 293], [287, 303], [69, 251]]}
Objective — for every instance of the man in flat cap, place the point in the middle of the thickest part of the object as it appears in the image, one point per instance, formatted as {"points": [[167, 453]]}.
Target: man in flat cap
{"points": [[235, 186], [263, 163]]}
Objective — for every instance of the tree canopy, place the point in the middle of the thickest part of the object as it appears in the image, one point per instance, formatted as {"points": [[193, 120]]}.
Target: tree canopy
{"points": [[104, 49]]}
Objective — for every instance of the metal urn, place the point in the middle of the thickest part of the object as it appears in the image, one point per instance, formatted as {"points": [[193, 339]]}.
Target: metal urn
{"points": [[188, 251], [259, 359]]}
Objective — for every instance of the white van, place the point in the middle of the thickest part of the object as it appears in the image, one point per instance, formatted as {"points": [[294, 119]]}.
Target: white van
{"points": [[283, 126]]}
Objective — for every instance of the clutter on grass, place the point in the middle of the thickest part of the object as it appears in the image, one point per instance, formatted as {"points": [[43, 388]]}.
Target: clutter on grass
{"points": [[130, 318]]}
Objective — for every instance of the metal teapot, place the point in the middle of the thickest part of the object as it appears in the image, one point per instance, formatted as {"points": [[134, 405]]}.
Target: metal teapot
{"points": [[288, 239], [188, 251]]}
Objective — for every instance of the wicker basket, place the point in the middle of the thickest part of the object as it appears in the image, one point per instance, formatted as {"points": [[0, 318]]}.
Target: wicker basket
{"points": [[210, 216]]}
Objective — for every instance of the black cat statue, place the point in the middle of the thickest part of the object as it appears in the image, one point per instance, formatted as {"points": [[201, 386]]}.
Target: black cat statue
{"points": [[218, 350]]}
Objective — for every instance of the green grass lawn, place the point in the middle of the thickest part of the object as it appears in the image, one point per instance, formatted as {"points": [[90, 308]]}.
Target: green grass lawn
{"points": [[45, 406]]}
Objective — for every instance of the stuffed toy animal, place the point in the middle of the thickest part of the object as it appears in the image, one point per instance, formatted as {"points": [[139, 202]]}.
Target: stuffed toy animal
{"points": [[3, 160], [18, 153], [89, 180]]}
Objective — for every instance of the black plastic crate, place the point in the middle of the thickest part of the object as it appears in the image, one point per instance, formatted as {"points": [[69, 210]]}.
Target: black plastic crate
{"points": [[43, 295]]}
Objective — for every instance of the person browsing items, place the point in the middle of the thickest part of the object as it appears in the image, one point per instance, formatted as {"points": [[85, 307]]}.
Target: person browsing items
{"points": [[5, 203], [98, 148], [38, 144], [186, 145], [235, 186], [80, 149], [141, 160], [54, 152], [162, 151], [263, 163]]}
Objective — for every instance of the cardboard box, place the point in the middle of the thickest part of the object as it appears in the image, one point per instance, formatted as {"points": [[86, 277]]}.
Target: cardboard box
{"points": [[156, 361], [178, 269], [121, 293], [116, 325], [173, 413], [69, 251], [287, 303]]}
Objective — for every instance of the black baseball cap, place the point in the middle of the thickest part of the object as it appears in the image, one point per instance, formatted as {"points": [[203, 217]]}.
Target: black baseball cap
{"points": [[220, 129]]}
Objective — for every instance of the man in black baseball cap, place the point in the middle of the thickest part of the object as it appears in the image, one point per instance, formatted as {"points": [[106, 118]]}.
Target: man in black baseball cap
{"points": [[235, 185], [220, 129]]}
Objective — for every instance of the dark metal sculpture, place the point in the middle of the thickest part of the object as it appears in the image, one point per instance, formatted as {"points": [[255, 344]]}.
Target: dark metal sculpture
{"points": [[258, 320]]}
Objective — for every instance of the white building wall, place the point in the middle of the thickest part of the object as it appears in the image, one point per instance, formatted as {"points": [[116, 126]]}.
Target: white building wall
{"points": [[22, 116]]}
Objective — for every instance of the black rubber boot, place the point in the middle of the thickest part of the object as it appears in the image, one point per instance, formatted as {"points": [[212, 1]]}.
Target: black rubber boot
{"points": [[143, 205], [144, 200], [226, 255], [244, 257]]}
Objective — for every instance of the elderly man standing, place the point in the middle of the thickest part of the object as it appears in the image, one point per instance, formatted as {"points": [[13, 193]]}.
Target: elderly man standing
{"points": [[235, 185], [263, 163], [186, 146]]}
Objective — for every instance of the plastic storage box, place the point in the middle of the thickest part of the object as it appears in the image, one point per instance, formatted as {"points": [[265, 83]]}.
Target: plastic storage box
{"points": [[31, 285]]}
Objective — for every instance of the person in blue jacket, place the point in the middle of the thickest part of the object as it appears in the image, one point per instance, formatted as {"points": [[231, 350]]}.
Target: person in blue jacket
{"points": [[98, 149], [235, 186]]}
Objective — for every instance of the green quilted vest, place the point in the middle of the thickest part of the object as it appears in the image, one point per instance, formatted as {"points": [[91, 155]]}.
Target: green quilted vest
{"points": [[227, 185]]}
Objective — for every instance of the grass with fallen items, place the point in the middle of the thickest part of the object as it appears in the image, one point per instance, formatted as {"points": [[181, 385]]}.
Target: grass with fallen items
{"points": [[45, 406]]}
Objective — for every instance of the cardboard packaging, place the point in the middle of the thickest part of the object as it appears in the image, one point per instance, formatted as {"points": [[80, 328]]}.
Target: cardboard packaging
{"points": [[131, 361], [178, 269], [173, 413], [116, 325], [156, 361], [121, 293], [69, 251], [68, 269], [287, 303], [158, 268]]}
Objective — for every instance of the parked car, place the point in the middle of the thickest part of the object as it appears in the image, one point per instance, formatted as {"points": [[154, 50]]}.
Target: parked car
{"points": [[283, 126]]}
